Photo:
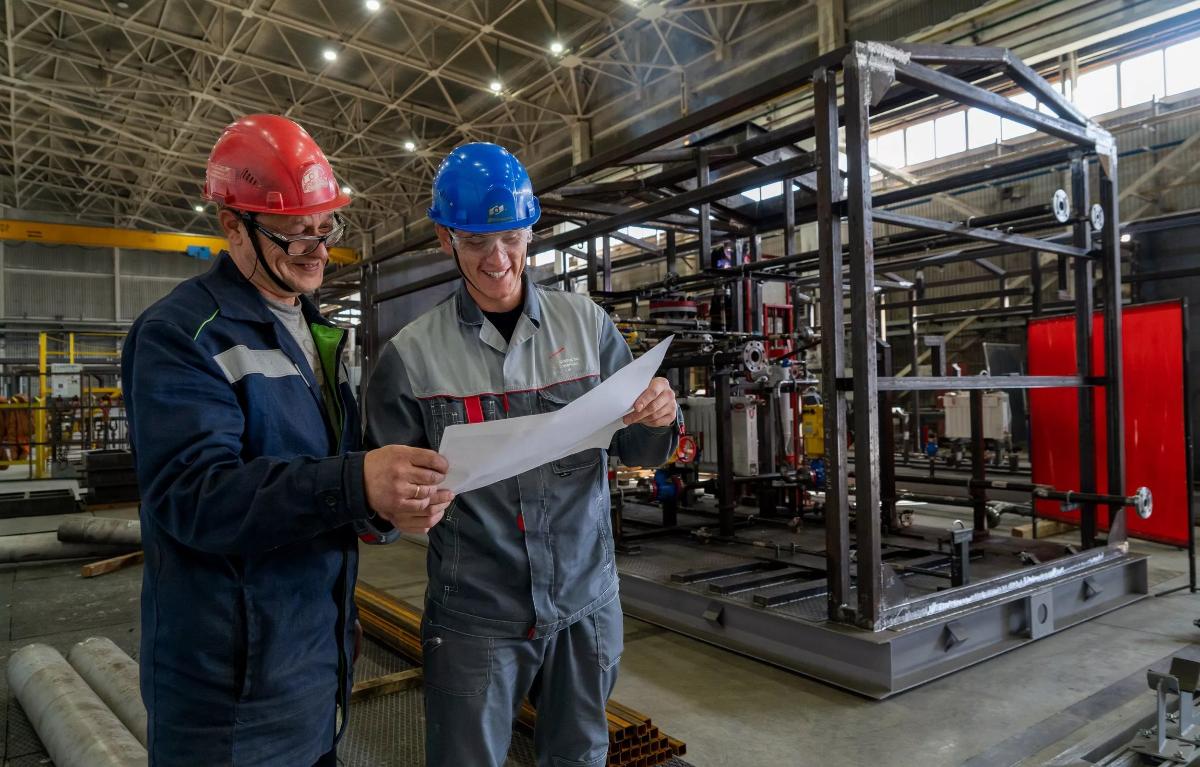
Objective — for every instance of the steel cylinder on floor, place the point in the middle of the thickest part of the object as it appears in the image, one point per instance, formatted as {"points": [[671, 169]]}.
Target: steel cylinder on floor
{"points": [[38, 547], [113, 675], [75, 726], [117, 532]]}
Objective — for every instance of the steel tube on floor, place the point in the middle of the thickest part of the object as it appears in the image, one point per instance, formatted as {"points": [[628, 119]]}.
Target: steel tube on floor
{"points": [[119, 532], [37, 547], [75, 726], [113, 676]]}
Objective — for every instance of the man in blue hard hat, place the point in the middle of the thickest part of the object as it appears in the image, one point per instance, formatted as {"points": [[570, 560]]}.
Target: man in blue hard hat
{"points": [[522, 597]]}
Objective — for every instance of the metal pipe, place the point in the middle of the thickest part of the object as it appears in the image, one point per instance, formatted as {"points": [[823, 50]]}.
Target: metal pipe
{"points": [[71, 720], [113, 676], [117, 532], [37, 547]]}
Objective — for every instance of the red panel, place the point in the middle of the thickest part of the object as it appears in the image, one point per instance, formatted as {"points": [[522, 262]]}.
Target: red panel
{"points": [[1155, 440]]}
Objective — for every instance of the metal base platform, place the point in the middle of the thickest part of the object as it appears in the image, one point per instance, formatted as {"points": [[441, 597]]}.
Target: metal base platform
{"points": [[1011, 602]]}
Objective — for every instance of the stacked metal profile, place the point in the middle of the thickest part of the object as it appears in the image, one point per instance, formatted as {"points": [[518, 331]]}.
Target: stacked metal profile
{"points": [[633, 740]]}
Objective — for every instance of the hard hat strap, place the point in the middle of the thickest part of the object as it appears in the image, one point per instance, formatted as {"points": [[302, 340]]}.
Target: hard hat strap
{"points": [[251, 231]]}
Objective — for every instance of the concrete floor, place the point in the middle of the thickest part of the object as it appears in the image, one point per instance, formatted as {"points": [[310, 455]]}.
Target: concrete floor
{"points": [[731, 710]]}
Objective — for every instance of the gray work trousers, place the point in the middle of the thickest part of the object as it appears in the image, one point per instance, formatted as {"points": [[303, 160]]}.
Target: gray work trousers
{"points": [[474, 687]]}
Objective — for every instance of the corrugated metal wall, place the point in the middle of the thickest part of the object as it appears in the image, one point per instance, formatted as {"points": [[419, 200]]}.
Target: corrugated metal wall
{"points": [[64, 282]]}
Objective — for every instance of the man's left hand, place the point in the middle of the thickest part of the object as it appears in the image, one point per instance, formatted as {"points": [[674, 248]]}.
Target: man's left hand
{"points": [[655, 406]]}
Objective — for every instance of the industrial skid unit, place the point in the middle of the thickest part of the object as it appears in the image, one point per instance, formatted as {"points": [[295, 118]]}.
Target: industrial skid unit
{"points": [[808, 558]]}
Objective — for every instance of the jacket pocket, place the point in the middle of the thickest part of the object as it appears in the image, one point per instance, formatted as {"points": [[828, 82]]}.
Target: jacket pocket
{"points": [[548, 402], [243, 653], [443, 412], [454, 663]]}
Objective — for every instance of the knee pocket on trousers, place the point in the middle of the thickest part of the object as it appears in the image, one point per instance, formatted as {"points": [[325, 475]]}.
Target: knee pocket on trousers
{"points": [[454, 663], [610, 634], [560, 762]]}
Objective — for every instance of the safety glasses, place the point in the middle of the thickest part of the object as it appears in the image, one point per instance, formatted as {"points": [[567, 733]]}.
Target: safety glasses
{"points": [[304, 244], [482, 244]]}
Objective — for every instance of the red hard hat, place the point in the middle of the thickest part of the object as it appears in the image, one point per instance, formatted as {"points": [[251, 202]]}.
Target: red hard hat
{"points": [[269, 164]]}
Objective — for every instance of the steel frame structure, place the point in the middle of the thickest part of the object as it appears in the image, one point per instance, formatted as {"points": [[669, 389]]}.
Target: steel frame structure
{"points": [[872, 638]]}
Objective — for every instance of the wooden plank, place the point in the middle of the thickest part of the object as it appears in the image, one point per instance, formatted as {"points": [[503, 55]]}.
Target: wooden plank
{"points": [[92, 569], [386, 684], [1045, 528]]}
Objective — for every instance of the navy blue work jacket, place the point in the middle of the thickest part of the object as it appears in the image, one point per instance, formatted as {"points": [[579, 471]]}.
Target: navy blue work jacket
{"points": [[250, 481]]}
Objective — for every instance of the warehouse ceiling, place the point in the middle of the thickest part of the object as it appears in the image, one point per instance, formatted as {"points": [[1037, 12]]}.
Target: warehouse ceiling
{"points": [[108, 109], [112, 106]]}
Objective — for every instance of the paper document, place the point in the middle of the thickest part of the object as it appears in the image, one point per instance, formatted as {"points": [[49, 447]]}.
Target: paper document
{"points": [[482, 453]]}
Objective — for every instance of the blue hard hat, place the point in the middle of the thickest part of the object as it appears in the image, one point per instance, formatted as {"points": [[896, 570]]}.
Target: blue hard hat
{"points": [[482, 188]]}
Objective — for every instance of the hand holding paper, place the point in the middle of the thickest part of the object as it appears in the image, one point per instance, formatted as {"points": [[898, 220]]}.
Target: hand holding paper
{"points": [[483, 453]]}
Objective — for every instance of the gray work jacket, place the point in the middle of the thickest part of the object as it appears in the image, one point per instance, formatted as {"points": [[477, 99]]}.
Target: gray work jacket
{"points": [[530, 555]]}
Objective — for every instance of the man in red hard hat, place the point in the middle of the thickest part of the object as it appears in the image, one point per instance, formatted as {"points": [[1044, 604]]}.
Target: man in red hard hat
{"points": [[245, 435]]}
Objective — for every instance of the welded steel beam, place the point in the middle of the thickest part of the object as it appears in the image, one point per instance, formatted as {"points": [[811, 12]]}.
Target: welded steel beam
{"points": [[724, 187], [1110, 245], [976, 233], [942, 84], [1084, 280], [833, 351], [861, 243], [965, 383]]}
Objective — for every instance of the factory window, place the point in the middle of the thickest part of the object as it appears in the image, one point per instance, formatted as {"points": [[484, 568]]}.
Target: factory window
{"points": [[1097, 92], [918, 143], [1183, 74], [890, 149], [950, 134], [983, 128], [1142, 79], [1010, 129]]}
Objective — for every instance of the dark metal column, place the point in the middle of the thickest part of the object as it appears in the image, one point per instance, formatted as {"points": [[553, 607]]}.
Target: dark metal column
{"points": [[1035, 281], [1110, 243], [726, 486], [789, 218], [593, 276], [370, 310], [671, 268], [754, 288], [833, 353], [887, 443], [862, 337], [704, 261], [978, 464], [767, 417], [1081, 237], [606, 265]]}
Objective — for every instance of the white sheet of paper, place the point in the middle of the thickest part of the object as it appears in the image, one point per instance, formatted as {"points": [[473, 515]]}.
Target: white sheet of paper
{"points": [[482, 453]]}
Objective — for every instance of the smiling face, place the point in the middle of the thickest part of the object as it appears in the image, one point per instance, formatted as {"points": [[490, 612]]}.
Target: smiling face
{"points": [[304, 273], [492, 264]]}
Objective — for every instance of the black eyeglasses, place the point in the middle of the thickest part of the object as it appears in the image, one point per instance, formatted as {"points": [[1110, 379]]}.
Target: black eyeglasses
{"points": [[304, 244]]}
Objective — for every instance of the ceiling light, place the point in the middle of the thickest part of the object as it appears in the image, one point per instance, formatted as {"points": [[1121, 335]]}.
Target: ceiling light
{"points": [[373, 5], [409, 146], [199, 208], [1126, 237], [329, 54], [556, 47], [123, 6], [495, 86], [345, 189]]}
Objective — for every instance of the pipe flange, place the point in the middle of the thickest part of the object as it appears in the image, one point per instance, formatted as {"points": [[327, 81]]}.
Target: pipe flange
{"points": [[754, 357], [1097, 217], [1060, 204], [1143, 502]]}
